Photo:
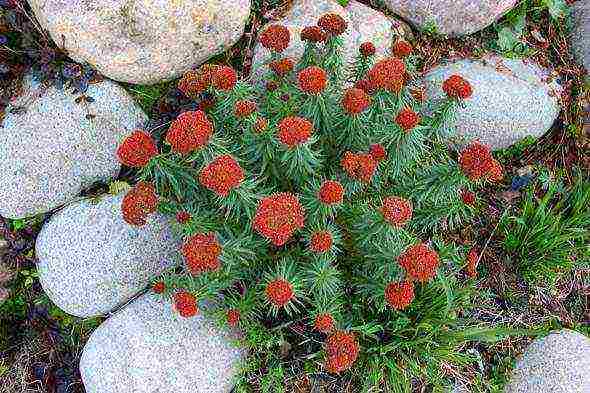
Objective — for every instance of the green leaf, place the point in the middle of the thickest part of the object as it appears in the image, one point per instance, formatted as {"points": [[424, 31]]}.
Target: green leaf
{"points": [[556, 8], [507, 39], [343, 3]]}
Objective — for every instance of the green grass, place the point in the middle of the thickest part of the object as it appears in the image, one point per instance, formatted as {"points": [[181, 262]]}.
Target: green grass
{"points": [[549, 235], [147, 95]]}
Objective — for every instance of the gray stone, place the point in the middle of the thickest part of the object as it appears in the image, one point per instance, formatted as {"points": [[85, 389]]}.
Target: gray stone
{"points": [[91, 260], [581, 33], [148, 348], [364, 24], [558, 363], [451, 17], [143, 41], [512, 99], [50, 150]]}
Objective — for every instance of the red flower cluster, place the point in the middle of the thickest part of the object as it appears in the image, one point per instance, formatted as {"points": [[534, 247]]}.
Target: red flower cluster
{"points": [[457, 87], [222, 175], [331, 192], [407, 119], [294, 131], [402, 49], [420, 262], [388, 74], [186, 304], [321, 242], [342, 350], [366, 86], [468, 197], [189, 132], [378, 152], [367, 49], [399, 295], [224, 78], [183, 217], [313, 34], [312, 80], [159, 287], [279, 292], [324, 323], [333, 24], [139, 202], [244, 108], [282, 67], [359, 166], [137, 149], [477, 163], [201, 252], [260, 125], [396, 211], [275, 38], [194, 82], [355, 101], [278, 217], [233, 317], [472, 261]]}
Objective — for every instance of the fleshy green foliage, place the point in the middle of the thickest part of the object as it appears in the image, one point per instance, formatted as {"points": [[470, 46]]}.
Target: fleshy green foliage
{"points": [[147, 95], [349, 279], [550, 235]]}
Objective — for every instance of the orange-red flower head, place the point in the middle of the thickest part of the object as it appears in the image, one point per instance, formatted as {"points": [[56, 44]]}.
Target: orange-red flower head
{"points": [[159, 287], [341, 351], [331, 192], [275, 38], [378, 152], [388, 74], [138, 203], [189, 132], [312, 80], [324, 323], [294, 131], [321, 242], [222, 175], [278, 217], [359, 166], [233, 317], [333, 24], [420, 262], [186, 304], [279, 292], [201, 253], [367, 49], [224, 78], [472, 261], [182, 217], [407, 119], [396, 211], [355, 101], [457, 87], [468, 197], [313, 34], [260, 125], [282, 67], [402, 49], [244, 108], [137, 149], [477, 163], [399, 295]]}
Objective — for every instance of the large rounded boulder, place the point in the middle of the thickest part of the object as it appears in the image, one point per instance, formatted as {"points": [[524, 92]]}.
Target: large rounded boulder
{"points": [[143, 41], [91, 261], [54, 144]]}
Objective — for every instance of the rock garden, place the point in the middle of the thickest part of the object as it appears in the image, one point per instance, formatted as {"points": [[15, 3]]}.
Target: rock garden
{"points": [[214, 196]]}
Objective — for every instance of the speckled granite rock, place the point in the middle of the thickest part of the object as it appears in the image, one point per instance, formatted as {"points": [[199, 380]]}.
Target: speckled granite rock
{"points": [[581, 33], [451, 17], [558, 363], [143, 41], [91, 261], [148, 348], [364, 24], [51, 151], [512, 99]]}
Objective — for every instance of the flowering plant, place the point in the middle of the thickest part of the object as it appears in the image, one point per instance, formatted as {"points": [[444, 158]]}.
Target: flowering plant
{"points": [[321, 185]]}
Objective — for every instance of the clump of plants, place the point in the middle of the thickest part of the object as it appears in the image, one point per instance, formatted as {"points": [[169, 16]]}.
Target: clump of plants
{"points": [[318, 196], [548, 236]]}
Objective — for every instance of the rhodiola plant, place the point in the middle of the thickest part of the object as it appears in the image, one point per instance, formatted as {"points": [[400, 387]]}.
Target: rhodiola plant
{"points": [[314, 194]]}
